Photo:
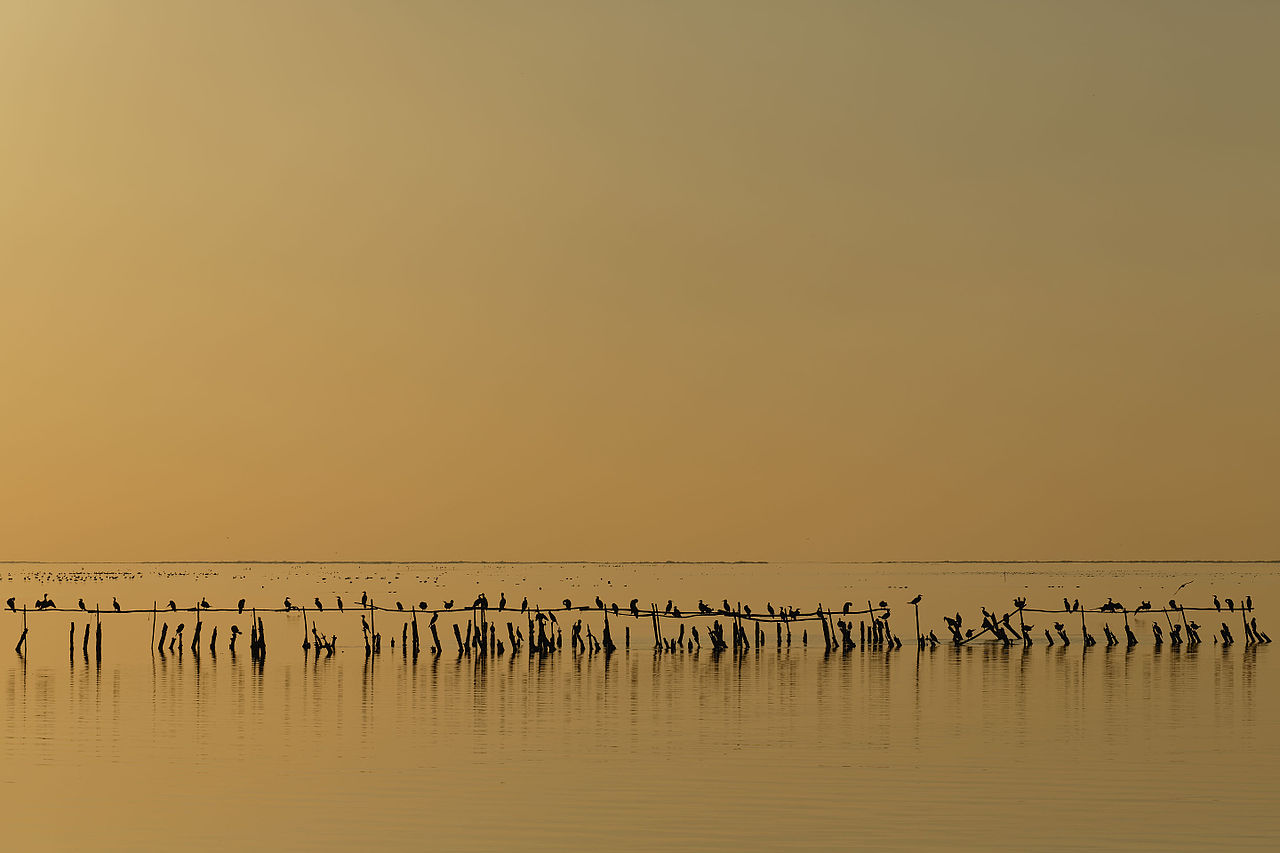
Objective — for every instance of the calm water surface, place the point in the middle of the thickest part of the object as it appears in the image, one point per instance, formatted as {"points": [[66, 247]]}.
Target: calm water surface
{"points": [[979, 747]]}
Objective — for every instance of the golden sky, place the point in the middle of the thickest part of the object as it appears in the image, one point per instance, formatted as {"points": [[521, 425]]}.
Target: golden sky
{"points": [[704, 280]]}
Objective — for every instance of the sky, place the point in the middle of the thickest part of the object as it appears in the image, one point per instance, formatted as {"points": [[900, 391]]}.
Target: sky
{"points": [[639, 281]]}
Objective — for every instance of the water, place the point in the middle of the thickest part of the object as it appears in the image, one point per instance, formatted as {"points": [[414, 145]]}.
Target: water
{"points": [[1048, 748]]}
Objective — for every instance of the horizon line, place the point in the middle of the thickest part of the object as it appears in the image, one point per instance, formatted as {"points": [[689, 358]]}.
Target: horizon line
{"points": [[419, 562]]}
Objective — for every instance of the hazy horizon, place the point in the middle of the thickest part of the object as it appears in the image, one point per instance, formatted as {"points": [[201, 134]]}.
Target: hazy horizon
{"points": [[711, 280]]}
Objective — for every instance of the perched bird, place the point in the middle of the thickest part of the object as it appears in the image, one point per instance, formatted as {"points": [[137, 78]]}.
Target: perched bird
{"points": [[1058, 626], [884, 604], [448, 605], [1217, 605], [675, 611], [172, 605], [848, 605], [364, 599], [969, 633], [204, 604], [614, 606], [568, 604], [1066, 605], [339, 604], [1230, 605], [524, 604], [769, 607], [10, 603], [422, 605], [635, 611], [364, 623], [288, 605], [1248, 602], [1146, 605], [502, 601], [727, 608], [915, 600], [319, 606], [746, 608], [240, 606], [668, 610], [399, 606], [115, 604], [599, 603], [1075, 606], [1173, 605], [82, 607]]}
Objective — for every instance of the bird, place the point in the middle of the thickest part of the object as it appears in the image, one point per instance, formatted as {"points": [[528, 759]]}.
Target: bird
{"points": [[364, 623], [884, 604], [1173, 605], [568, 604], [599, 603], [172, 605], [848, 605], [1231, 606], [675, 611], [615, 608], [115, 604], [10, 603], [668, 610], [204, 604], [1075, 606], [502, 601], [1066, 605], [746, 608], [448, 605], [319, 606], [364, 599], [1057, 626], [288, 605], [524, 604], [769, 607], [1248, 602], [635, 610], [82, 607], [422, 605], [969, 633], [1146, 605], [339, 604], [240, 606], [1217, 605], [727, 608], [399, 606], [916, 600]]}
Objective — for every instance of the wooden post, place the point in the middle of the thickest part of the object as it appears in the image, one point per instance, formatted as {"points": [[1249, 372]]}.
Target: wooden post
{"points": [[153, 623], [97, 633]]}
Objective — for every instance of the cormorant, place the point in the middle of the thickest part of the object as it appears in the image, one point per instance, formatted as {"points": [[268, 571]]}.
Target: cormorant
{"points": [[599, 603], [769, 607], [448, 605], [422, 605], [524, 604], [567, 604], [1230, 605], [319, 606], [399, 606], [115, 604], [288, 605], [614, 606], [82, 607], [668, 610], [11, 607], [172, 605], [1066, 605], [848, 605], [1146, 605], [240, 606], [1217, 605], [204, 603], [339, 604], [1248, 602], [884, 604], [1075, 606], [635, 611], [364, 599]]}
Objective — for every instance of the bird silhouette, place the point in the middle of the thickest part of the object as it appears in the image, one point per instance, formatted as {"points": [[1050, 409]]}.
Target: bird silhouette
{"points": [[1248, 602], [448, 605], [635, 610], [1075, 606], [1173, 605], [1231, 606], [422, 605], [364, 599], [746, 608], [502, 601], [172, 605], [915, 600], [240, 606], [614, 606], [364, 623], [848, 605], [769, 607], [399, 606], [599, 603], [1066, 605], [339, 604], [524, 604], [884, 604], [115, 604], [10, 604], [319, 606], [727, 608], [1058, 626], [204, 604], [969, 633], [82, 607], [668, 609], [1146, 605], [288, 605], [1217, 605], [567, 604]]}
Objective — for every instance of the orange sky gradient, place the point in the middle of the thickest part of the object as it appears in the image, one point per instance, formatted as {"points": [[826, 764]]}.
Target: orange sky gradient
{"points": [[716, 280]]}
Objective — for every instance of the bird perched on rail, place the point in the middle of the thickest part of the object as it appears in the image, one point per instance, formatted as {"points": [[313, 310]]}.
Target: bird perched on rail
{"points": [[319, 606], [1217, 605], [173, 605], [364, 599], [635, 609], [524, 605], [82, 607], [240, 606], [204, 604], [615, 608], [915, 600], [769, 607], [288, 605], [746, 608], [568, 605], [115, 604], [339, 604], [399, 606], [1231, 605], [10, 605], [1146, 605], [884, 604], [848, 605], [422, 605]]}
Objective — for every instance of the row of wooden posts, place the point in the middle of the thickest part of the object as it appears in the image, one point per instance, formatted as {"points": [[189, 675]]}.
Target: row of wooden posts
{"points": [[481, 632]]}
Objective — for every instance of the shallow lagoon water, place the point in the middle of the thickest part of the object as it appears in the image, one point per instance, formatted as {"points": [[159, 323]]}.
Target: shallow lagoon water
{"points": [[1047, 748]]}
